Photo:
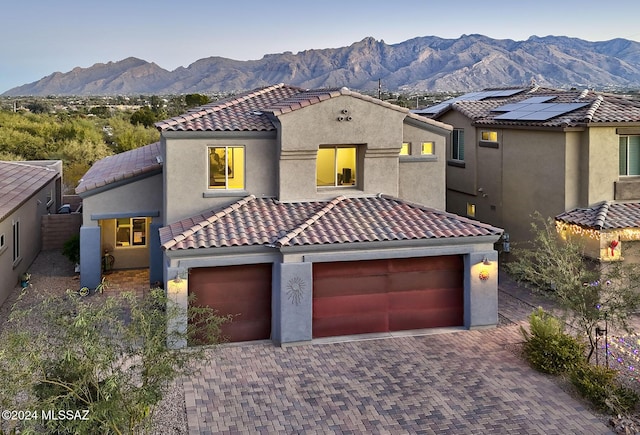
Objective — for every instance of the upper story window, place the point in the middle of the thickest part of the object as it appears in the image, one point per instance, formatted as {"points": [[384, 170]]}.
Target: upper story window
{"points": [[457, 144], [428, 148], [131, 232], [489, 136], [336, 166], [629, 155], [406, 149], [226, 167]]}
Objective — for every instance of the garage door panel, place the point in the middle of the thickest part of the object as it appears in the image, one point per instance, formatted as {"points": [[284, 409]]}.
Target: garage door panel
{"points": [[348, 269], [349, 305], [425, 263], [362, 324], [344, 286], [406, 281], [440, 298]]}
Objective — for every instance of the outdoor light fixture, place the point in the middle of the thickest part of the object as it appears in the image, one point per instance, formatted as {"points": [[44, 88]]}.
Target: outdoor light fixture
{"points": [[484, 270]]}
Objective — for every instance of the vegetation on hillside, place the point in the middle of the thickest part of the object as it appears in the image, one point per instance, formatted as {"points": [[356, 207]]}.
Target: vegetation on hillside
{"points": [[81, 132]]}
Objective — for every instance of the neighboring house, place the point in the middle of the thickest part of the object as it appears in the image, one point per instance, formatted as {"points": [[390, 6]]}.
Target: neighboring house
{"points": [[28, 190], [610, 231], [517, 151], [304, 213]]}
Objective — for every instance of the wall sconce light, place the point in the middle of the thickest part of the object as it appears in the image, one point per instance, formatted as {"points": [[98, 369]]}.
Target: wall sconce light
{"points": [[484, 271]]}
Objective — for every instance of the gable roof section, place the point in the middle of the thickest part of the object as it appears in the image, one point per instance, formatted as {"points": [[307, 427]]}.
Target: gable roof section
{"points": [[265, 221], [19, 182], [604, 216], [123, 166], [254, 110], [580, 108]]}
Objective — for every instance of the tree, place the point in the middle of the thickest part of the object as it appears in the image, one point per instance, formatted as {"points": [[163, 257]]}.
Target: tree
{"points": [[144, 116], [194, 100], [105, 360], [587, 291]]}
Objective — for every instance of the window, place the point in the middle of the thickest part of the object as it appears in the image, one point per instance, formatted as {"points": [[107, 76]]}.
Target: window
{"points": [[629, 155], [336, 166], [427, 148], [226, 167], [16, 241], [406, 149], [2, 246], [489, 136], [457, 144], [131, 232], [471, 210]]}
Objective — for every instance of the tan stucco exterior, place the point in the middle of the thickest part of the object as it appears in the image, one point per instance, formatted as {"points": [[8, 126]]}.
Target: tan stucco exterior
{"points": [[545, 170]]}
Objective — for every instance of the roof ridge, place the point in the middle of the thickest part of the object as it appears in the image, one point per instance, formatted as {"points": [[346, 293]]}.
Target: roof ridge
{"points": [[601, 216], [208, 221], [312, 220], [594, 107]]}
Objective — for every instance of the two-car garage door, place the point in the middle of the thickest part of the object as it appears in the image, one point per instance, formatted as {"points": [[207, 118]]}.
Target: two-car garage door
{"points": [[387, 295], [352, 297]]}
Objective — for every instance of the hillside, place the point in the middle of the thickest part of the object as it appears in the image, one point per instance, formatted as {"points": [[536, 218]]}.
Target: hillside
{"points": [[424, 64]]}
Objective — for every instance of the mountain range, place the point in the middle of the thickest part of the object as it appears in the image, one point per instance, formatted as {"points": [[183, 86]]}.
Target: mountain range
{"points": [[423, 64]]}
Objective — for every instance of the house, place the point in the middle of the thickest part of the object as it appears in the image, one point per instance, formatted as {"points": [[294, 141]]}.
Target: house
{"points": [[28, 190], [517, 151], [303, 213]]}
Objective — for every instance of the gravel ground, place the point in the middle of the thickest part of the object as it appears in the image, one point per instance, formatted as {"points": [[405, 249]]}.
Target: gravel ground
{"points": [[52, 274]]}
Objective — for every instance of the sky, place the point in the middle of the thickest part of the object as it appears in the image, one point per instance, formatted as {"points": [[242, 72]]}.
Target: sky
{"points": [[40, 37]]}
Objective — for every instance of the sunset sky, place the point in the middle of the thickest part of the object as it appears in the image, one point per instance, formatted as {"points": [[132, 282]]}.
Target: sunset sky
{"points": [[40, 37]]}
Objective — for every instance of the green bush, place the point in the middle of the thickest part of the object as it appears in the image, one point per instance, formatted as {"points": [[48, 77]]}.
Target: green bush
{"points": [[598, 385], [71, 249], [547, 348]]}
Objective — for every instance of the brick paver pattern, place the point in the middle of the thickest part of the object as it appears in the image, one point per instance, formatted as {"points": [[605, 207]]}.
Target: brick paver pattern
{"points": [[466, 382]]}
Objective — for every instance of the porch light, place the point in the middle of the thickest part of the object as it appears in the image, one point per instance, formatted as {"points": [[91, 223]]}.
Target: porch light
{"points": [[484, 269]]}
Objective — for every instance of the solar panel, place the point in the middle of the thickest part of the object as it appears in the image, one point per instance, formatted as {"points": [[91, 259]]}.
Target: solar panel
{"points": [[471, 96], [538, 111]]}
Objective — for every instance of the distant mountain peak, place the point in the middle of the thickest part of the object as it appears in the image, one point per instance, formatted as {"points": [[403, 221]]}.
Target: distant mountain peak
{"points": [[421, 64]]}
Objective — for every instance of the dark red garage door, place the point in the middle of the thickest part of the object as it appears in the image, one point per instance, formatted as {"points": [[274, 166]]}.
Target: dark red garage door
{"points": [[387, 295], [242, 291]]}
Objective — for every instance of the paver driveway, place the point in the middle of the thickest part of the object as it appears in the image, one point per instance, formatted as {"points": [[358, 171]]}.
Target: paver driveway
{"points": [[463, 382]]}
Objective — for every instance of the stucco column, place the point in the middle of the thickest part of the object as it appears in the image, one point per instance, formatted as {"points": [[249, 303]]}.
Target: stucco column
{"points": [[292, 302], [177, 286], [90, 257], [480, 289]]}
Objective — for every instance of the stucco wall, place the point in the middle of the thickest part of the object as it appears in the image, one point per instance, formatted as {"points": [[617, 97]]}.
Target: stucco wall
{"points": [[375, 128], [422, 178], [186, 172], [29, 216], [603, 172], [462, 179]]}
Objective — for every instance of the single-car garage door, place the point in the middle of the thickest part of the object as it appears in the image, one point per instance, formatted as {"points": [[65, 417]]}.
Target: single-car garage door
{"points": [[242, 291], [387, 295]]}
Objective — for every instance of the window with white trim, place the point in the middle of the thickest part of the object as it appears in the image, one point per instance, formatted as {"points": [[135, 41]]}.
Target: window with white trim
{"points": [[457, 144]]}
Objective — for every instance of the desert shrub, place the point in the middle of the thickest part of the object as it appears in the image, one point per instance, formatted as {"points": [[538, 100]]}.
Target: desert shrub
{"points": [[547, 348], [598, 385], [71, 249]]}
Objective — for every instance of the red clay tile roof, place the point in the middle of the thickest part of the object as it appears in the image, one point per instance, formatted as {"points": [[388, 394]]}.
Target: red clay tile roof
{"points": [[599, 108], [19, 182], [254, 110], [121, 166], [267, 222], [604, 216]]}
